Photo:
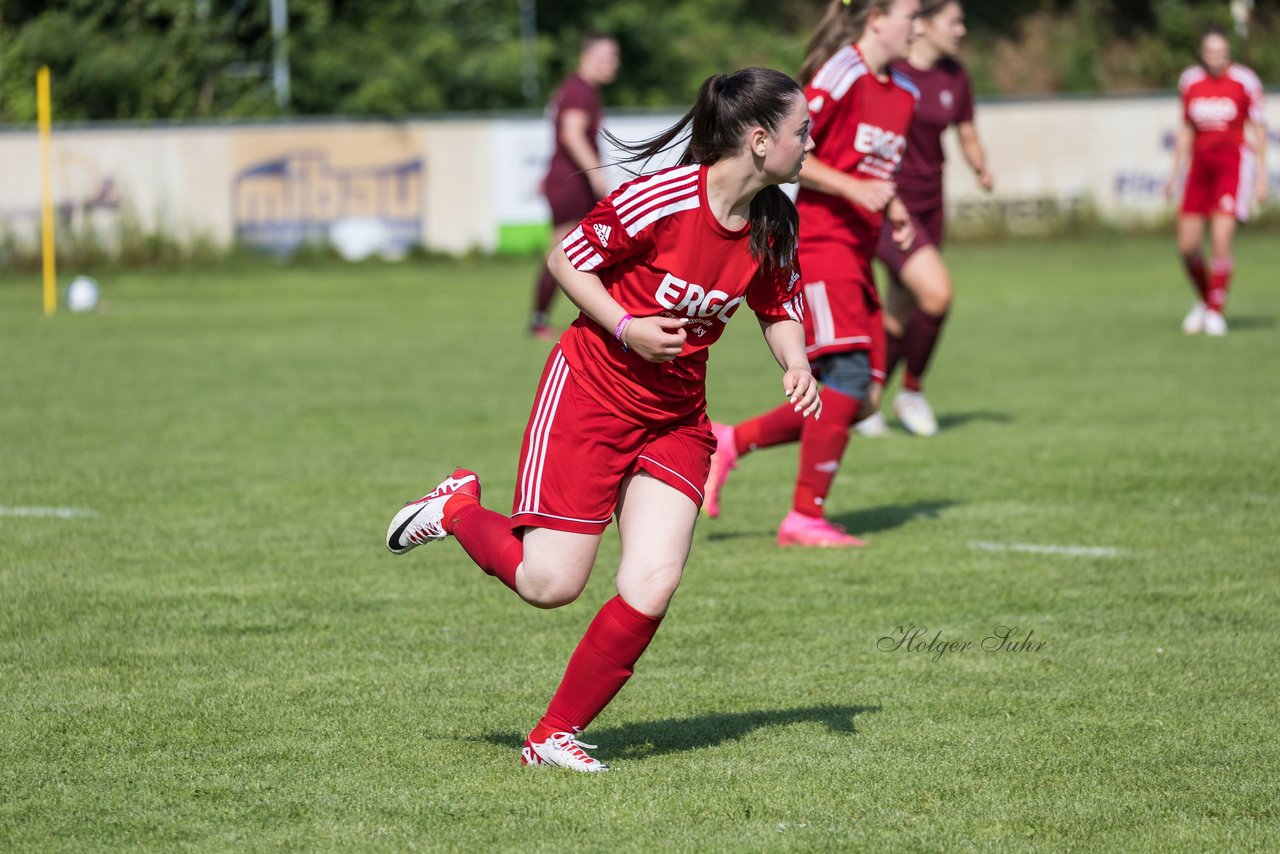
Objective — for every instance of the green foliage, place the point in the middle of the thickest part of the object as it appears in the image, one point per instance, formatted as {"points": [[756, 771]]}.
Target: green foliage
{"points": [[182, 59]]}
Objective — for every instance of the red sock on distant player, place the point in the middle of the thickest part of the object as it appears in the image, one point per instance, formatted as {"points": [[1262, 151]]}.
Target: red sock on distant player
{"points": [[486, 536], [776, 427], [602, 663], [923, 331], [1219, 281], [1198, 275], [822, 445]]}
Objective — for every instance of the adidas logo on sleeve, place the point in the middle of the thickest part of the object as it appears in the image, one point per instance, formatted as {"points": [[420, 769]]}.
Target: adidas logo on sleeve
{"points": [[603, 232]]}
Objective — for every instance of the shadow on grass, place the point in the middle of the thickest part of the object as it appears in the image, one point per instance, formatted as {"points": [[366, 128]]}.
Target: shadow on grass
{"points": [[869, 521], [876, 519], [952, 420], [672, 735], [1250, 322]]}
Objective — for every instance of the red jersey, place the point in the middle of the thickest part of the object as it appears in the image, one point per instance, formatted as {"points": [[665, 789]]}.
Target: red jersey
{"points": [[1217, 107], [574, 94], [946, 99], [859, 124], [659, 250]]}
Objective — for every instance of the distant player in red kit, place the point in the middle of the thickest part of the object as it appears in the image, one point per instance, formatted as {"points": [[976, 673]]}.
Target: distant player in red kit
{"points": [[619, 425], [919, 292], [574, 181], [1224, 133], [861, 111]]}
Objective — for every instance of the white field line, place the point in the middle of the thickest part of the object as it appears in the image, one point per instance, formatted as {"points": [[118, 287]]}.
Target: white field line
{"points": [[1028, 548], [54, 512]]}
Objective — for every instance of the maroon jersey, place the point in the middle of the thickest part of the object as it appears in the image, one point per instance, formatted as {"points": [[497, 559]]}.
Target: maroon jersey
{"points": [[659, 250], [574, 94], [946, 99], [1218, 107], [859, 124]]}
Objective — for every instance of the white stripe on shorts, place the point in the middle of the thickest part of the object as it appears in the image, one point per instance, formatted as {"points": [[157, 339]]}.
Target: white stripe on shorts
{"points": [[674, 472], [540, 433], [1244, 190], [815, 297]]}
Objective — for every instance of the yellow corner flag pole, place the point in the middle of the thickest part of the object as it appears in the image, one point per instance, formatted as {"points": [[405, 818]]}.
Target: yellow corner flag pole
{"points": [[44, 110]]}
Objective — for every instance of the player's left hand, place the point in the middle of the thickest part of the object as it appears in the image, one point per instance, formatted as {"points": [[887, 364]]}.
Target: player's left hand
{"points": [[986, 180], [904, 233], [801, 390], [1262, 188]]}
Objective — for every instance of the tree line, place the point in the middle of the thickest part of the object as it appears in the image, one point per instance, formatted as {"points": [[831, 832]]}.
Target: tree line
{"points": [[211, 59]]}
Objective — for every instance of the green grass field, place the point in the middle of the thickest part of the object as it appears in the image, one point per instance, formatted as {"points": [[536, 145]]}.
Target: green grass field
{"points": [[222, 656]]}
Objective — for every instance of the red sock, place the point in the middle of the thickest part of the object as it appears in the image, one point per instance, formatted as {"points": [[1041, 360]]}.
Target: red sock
{"points": [[923, 331], [776, 427], [545, 292], [1219, 281], [599, 667], [486, 536], [1197, 274], [822, 446]]}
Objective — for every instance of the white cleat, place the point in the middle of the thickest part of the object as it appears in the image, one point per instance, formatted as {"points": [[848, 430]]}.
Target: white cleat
{"points": [[422, 521], [1193, 323], [873, 426], [1214, 324], [564, 750], [915, 413]]}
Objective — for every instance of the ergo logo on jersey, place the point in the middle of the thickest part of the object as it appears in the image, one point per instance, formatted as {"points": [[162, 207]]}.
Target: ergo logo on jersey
{"points": [[879, 142], [1212, 111], [695, 301]]}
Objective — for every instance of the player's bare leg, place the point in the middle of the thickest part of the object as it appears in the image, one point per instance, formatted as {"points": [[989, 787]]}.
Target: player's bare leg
{"points": [[1191, 228], [556, 566], [655, 523], [927, 279]]}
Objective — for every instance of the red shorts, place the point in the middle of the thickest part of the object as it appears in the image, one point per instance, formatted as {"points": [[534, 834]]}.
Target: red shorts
{"points": [[929, 225], [842, 315], [577, 453], [1220, 181]]}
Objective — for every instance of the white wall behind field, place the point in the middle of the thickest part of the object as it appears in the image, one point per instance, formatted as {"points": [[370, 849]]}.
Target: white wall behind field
{"points": [[463, 185]]}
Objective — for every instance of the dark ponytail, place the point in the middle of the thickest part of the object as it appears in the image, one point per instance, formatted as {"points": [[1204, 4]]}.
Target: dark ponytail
{"points": [[843, 23], [729, 105]]}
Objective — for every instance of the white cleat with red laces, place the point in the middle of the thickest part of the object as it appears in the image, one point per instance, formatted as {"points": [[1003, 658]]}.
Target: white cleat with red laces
{"points": [[422, 521], [562, 749]]}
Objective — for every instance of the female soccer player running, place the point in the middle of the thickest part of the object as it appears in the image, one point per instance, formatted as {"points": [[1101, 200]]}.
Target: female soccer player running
{"points": [[619, 423], [1221, 112], [919, 292], [861, 110]]}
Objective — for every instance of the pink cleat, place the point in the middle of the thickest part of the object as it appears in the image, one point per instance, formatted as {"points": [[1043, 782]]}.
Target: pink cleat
{"points": [[814, 532], [723, 461]]}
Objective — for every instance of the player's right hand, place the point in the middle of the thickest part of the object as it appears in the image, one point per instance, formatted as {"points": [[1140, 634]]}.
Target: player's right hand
{"points": [[873, 195], [656, 339]]}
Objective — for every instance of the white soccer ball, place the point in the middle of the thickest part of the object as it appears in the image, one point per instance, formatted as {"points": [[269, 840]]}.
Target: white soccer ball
{"points": [[82, 294]]}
